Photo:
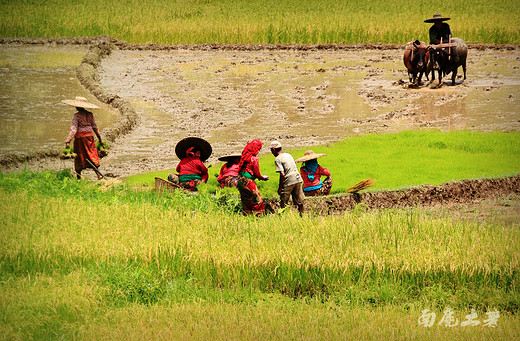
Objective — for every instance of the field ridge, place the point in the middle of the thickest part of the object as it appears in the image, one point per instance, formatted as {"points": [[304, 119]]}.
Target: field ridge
{"points": [[455, 192]]}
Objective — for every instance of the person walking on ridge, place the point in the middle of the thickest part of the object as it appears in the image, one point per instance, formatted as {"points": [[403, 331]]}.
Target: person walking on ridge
{"points": [[82, 129]]}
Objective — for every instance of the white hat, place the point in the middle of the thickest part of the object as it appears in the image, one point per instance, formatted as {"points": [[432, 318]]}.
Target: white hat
{"points": [[275, 145], [80, 102]]}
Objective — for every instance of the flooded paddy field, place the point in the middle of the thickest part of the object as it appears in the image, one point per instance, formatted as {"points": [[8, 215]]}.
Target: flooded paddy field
{"points": [[300, 97], [34, 81]]}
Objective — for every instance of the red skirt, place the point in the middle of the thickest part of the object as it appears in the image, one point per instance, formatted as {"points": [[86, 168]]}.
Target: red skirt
{"points": [[252, 202], [85, 149]]}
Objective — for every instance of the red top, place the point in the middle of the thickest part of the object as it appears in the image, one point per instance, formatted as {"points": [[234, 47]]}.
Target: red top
{"points": [[193, 165], [320, 171], [226, 171], [253, 168]]}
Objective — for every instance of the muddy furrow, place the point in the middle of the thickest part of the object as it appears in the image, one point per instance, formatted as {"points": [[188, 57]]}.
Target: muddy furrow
{"points": [[457, 192]]}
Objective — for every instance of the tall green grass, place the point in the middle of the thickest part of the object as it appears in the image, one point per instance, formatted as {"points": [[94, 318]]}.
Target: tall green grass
{"points": [[83, 260], [397, 161], [141, 245], [253, 21]]}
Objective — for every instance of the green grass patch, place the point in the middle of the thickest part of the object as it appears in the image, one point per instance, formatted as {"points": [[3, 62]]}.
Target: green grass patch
{"points": [[253, 21], [414, 158], [396, 161], [72, 307]]}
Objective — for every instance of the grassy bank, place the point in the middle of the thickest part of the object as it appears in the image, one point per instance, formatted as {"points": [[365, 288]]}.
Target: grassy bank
{"points": [[272, 21], [397, 160], [82, 260]]}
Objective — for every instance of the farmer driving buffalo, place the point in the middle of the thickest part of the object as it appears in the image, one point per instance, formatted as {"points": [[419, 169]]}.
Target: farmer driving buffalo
{"points": [[447, 59], [440, 32]]}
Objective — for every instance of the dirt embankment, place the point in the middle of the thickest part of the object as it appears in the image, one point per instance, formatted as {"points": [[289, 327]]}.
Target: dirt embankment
{"points": [[457, 192], [214, 46]]}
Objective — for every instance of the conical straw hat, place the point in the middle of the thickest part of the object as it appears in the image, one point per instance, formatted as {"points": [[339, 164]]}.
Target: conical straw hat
{"points": [[80, 102], [183, 145], [436, 17], [229, 157], [309, 155]]}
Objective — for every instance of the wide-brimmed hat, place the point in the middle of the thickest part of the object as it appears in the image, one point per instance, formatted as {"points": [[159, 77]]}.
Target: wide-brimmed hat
{"points": [[436, 17], [183, 145], [80, 102], [309, 155], [226, 158]]}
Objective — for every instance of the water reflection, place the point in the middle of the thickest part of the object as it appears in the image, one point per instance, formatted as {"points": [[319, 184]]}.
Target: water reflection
{"points": [[34, 81]]}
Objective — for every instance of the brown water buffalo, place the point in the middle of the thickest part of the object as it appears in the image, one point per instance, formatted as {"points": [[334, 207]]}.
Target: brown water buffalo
{"points": [[446, 58], [416, 58]]}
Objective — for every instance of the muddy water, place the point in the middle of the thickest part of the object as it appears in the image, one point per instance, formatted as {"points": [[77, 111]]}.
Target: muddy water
{"points": [[301, 98], [298, 97], [34, 81]]}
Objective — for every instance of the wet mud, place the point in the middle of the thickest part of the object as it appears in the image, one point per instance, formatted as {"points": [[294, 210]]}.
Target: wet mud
{"points": [[453, 193], [302, 95]]}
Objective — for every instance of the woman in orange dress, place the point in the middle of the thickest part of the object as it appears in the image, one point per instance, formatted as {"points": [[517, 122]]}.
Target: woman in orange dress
{"points": [[82, 129]]}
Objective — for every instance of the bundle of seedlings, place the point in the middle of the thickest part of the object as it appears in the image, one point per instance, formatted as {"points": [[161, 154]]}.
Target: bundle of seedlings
{"points": [[102, 149], [363, 184], [67, 153]]}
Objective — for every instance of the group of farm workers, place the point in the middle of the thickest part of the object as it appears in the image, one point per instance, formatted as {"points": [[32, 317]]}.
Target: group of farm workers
{"points": [[241, 171]]}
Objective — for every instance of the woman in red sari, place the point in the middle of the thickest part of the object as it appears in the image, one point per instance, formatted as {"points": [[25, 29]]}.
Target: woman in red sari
{"points": [[312, 172], [228, 176], [192, 151], [249, 170], [191, 171], [82, 130]]}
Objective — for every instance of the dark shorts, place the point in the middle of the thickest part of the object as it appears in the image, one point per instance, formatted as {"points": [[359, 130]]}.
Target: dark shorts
{"points": [[295, 191]]}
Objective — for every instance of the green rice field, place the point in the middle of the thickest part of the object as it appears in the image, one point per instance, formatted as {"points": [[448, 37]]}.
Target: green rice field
{"points": [[114, 260], [396, 161], [87, 262], [260, 22], [101, 260]]}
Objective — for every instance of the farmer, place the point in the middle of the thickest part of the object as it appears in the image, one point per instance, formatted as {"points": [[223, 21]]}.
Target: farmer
{"points": [[192, 151], [312, 172], [249, 170], [440, 30], [290, 180], [228, 176], [82, 130]]}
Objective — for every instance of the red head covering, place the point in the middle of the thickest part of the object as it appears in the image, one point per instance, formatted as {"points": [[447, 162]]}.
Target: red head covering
{"points": [[251, 149]]}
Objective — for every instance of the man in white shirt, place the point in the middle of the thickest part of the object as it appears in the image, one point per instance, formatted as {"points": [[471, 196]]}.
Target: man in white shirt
{"points": [[290, 178]]}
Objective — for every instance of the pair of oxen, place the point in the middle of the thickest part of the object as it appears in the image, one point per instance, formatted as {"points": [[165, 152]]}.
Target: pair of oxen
{"points": [[420, 58]]}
